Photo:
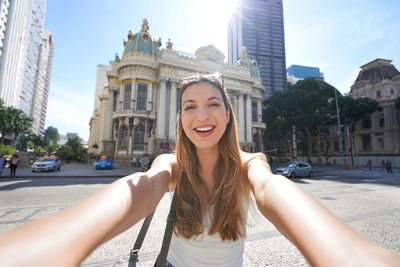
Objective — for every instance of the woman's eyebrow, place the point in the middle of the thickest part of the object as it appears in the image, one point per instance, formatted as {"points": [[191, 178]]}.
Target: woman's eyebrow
{"points": [[189, 100], [215, 97]]}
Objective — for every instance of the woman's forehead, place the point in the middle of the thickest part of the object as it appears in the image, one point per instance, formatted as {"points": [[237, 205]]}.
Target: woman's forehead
{"points": [[201, 90]]}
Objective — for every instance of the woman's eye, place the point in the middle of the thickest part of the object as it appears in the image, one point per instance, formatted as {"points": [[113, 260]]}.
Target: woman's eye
{"points": [[215, 105], [188, 107]]}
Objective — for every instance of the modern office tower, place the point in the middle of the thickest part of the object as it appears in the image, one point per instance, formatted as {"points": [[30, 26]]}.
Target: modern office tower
{"points": [[298, 72], [14, 50], [4, 9], [42, 82], [32, 56], [257, 25]]}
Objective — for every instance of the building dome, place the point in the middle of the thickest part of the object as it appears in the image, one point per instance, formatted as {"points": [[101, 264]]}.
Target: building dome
{"points": [[377, 70], [142, 42]]}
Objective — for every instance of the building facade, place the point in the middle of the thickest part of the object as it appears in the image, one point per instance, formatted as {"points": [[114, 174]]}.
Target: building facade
{"points": [[26, 58], [31, 64], [137, 108], [4, 10], [379, 133], [42, 82], [258, 26], [14, 51], [298, 72]]}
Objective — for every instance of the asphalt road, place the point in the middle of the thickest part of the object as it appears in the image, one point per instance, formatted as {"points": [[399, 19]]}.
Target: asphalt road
{"points": [[368, 202]]}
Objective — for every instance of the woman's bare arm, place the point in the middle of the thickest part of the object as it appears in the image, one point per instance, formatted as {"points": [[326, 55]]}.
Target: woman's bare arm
{"points": [[322, 238], [68, 237]]}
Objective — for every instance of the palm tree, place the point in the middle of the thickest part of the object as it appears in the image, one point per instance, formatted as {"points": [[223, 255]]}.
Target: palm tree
{"points": [[12, 121]]}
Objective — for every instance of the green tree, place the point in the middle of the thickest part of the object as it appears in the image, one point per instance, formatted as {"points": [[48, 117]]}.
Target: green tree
{"points": [[304, 105], [352, 110], [73, 150], [51, 134]]}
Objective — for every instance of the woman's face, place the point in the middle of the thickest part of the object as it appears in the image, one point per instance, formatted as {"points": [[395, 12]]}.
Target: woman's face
{"points": [[204, 115]]}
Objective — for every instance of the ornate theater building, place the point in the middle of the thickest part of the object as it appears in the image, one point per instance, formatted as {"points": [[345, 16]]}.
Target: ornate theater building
{"points": [[135, 108]]}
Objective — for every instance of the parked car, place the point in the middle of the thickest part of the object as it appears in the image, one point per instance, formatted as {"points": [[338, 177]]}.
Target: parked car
{"points": [[46, 163], [295, 169], [104, 163]]}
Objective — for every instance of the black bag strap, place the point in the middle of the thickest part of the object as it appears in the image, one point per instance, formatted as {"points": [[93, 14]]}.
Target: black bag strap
{"points": [[167, 235], [162, 257]]}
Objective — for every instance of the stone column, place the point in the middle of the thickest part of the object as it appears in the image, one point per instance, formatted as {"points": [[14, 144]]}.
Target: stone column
{"points": [[161, 109], [249, 137], [121, 97], [133, 95], [235, 107], [108, 124], [172, 111], [260, 140], [259, 110], [240, 112]]}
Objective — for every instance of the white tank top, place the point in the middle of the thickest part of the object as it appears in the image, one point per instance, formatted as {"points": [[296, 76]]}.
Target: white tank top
{"points": [[207, 250]]}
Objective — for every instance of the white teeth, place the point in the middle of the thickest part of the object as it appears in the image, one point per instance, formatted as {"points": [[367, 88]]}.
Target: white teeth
{"points": [[204, 129]]}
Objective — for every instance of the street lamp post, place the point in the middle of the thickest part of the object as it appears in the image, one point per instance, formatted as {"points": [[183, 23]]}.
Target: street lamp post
{"points": [[339, 129]]}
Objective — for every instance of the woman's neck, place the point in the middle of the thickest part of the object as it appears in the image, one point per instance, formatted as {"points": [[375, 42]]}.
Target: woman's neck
{"points": [[207, 162]]}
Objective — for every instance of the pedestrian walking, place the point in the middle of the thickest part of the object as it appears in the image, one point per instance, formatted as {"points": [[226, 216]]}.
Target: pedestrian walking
{"points": [[134, 162], [369, 164], [140, 162], [2, 164], [216, 184], [383, 164], [13, 165], [389, 166]]}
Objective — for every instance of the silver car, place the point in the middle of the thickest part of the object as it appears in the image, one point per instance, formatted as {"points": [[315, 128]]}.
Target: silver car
{"points": [[46, 164], [295, 169]]}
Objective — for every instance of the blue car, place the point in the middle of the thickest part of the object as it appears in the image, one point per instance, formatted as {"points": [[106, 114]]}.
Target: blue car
{"points": [[104, 163]]}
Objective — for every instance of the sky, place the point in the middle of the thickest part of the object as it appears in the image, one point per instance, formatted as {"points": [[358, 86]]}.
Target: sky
{"points": [[338, 36]]}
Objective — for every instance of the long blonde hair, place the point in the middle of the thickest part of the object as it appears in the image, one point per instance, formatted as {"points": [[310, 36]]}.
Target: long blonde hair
{"points": [[231, 186]]}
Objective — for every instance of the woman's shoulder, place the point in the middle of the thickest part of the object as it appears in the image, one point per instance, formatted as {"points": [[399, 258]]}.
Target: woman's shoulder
{"points": [[250, 157]]}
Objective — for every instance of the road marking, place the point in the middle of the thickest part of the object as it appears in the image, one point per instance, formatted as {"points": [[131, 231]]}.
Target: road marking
{"points": [[377, 180]]}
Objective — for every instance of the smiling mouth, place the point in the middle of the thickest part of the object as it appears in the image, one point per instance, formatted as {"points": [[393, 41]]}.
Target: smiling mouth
{"points": [[204, 129]]}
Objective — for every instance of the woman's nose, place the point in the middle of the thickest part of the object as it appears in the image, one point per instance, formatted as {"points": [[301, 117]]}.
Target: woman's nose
{"points": [[203, 113]]}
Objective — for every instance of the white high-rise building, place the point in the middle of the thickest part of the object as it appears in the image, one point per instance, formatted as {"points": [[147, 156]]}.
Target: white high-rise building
{"points": [[14, 50], [32, 56], [26, 57], [4, 9], [42, 82]]}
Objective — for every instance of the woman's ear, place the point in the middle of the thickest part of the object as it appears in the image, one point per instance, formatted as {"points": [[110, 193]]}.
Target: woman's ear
{"points": [[228, 116]]}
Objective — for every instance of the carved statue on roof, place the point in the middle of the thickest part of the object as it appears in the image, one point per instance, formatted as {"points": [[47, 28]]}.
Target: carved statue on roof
{"points": [[117, 59], [169, 44], [145, 30], [159, 43], [243, 60]]}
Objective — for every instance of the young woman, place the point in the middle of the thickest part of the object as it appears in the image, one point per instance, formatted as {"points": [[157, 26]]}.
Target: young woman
{"points": [[215, 181]]}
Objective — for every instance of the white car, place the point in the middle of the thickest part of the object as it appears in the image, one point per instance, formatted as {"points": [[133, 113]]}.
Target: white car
{"points": [[295, 169], [46, 164]]}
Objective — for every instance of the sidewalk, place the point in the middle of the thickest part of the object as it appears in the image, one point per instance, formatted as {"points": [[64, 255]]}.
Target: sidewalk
{"points": [[72, 170]]}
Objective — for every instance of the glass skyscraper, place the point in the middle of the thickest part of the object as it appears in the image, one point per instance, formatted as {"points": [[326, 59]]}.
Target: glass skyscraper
{"points": [[257, 25]]}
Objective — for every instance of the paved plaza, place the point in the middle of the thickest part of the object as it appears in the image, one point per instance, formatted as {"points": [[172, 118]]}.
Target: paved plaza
{"points": [[367, 201]]}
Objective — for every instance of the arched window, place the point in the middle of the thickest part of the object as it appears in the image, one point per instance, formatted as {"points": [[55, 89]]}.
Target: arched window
{"points": [[139, 135], [161, 146], [123, 135], [378, 94], [141, 97], [167, 146]]}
